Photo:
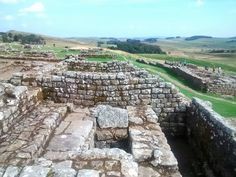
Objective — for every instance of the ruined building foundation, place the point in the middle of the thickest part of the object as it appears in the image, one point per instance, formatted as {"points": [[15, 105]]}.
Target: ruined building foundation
{"points": [[79, 118]]}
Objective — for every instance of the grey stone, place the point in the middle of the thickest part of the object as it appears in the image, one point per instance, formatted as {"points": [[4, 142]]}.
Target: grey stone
{"points": [[147, 172], [129, 168], [11, 171], [109, 117], [63, 169], [35, 171], [1, 116], [141, 154], [43, 162], [88, 173], [2, 170]]}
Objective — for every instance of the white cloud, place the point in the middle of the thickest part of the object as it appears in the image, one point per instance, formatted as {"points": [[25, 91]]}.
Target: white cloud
{"points": [[9, 1], [8, 18], [200, 3], [37, 7]]}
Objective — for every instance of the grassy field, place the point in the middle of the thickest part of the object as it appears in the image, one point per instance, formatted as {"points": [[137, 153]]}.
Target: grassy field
{"points": [[229, 66], [197, 51]]}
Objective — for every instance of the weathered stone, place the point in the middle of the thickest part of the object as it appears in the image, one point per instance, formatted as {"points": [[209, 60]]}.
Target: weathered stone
{"points": [[43, 162], [35, 171], [147, 172], [109, 117], [88, 173], [11, 171], [63, 169], [2, 170], [141, 154], [112, 165]]}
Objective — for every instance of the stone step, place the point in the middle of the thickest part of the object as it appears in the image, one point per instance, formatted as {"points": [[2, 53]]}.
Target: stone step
{"points": [[75, 134], [27, 139]]}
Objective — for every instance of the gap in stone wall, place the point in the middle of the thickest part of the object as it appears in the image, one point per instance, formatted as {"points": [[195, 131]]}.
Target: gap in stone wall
{"points": [[189, 164]]}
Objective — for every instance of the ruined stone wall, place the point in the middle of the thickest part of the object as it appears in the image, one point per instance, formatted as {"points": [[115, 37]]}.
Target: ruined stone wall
{"points": [[215, 86], [212, 138], [221, 88], [110, 67], [196, 81], [115, 89], [14, 103], [211, 83]]}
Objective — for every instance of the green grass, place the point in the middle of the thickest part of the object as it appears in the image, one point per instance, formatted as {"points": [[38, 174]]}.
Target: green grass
{"points": [[60, 52], [224, 107], [210, 63]]}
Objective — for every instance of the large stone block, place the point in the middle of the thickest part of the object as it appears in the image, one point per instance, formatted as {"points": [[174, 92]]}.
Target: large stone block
{"points": [[110, 117]]}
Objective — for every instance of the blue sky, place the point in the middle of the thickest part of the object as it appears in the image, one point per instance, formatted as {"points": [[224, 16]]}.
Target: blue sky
{"points": [[120, 18]]}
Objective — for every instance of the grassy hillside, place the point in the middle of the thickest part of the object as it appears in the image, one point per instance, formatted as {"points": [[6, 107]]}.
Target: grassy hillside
{"points": [[228, 64]]}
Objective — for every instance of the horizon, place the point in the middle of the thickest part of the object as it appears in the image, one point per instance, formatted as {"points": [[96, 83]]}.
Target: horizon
{"points": [[123, 19]]}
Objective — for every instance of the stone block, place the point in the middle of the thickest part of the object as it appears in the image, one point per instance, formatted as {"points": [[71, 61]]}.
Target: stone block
{"points": [[109, 117]]}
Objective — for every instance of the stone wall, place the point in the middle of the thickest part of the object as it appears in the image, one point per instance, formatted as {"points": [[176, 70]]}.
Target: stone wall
{"points": [[110, 67], [116, 88], [203, 80], [213, 139], [221, 88], [196, 82], [215, 84], [14, 103]]}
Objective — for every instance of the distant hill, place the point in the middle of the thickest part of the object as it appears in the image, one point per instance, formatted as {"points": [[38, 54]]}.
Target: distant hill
{"points": [[197, 37], [232, 41], [150, 40], [170, 38]]}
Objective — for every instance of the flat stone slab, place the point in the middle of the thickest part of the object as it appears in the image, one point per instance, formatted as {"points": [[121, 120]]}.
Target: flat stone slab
{"points": [[110, 117], [73, 135]]}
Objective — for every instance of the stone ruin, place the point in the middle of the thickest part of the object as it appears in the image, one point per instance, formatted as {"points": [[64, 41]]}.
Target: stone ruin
{"points": [[211, 81], [26, 53], [78, 119]]}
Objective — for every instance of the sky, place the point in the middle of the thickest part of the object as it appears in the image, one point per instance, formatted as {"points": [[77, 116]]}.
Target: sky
{"points": [[120, 18]]}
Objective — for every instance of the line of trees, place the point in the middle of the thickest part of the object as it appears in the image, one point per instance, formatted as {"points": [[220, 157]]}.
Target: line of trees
{"points": [[135, 46], [22, 38]]}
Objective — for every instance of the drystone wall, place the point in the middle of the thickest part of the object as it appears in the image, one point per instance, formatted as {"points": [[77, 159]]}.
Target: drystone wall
{"points": [[110, 67], [196, 81], [214, 84], [222, 88], [14, 103], [213, 139], [114, 88]]}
